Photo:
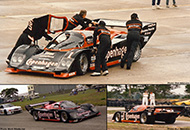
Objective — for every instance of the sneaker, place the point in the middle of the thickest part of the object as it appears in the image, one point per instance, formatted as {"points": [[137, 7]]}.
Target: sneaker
{"points": [[105, 73], [153, 7], [96, 74], [167, 6], [174, 5], [158, 7], [128, 68], [7, 61]]}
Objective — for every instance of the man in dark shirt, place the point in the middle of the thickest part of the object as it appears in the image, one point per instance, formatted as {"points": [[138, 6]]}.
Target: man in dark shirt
{"points": [[79, 19], [35, 30], [105, 42], [134, 27]]}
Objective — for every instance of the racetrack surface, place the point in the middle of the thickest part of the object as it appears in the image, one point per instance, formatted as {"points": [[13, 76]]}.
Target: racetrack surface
{"points": [[178, 123], [25, 120], [165, 59]]}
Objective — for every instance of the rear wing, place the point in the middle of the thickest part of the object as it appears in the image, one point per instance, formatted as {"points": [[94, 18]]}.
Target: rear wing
{"points": [[148, 28], [176, 108], [31, 106]]}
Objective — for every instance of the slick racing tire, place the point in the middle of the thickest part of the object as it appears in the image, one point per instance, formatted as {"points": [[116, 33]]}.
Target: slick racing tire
{"points": [[117, 117], [137, 54], [143, 118], [35, 115], [170, 120], [82, 64], [64, 117], [5, 112]]}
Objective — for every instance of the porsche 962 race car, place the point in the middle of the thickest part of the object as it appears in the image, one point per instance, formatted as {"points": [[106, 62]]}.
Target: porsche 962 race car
{"points": [[8, 109], [70, 53], [149, 114], [65, 111]]}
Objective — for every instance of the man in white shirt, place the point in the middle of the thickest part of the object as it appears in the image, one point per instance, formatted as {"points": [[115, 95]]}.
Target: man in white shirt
{"points": [[145, 98], [152, 99]]}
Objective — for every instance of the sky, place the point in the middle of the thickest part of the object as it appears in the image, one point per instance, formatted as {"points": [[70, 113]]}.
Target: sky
{"points": [[180, 90], [21, 88]]}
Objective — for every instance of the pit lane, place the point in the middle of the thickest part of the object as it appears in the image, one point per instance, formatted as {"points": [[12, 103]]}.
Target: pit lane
{"points": [[165, 58], [25, 121]]}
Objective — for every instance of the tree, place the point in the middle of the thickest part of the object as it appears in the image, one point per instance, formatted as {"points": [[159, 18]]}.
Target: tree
{"points": [[9, 92], [187, 89]]}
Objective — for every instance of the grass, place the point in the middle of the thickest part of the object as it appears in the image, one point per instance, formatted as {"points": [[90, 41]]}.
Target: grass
{"points": [[90, 96]]}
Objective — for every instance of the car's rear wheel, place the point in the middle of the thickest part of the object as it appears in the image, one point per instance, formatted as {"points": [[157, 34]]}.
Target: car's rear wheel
{"points": [[5, 112], [143, 118], [82, 64], [35, 115], [64, 117], [170, 120], [137, 54], [117, 117]]}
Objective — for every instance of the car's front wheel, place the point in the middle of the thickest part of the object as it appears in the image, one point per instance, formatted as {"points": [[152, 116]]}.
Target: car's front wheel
{"points": [[170, 120], [137, 54], [82, 64], [35, 115], [64, 116]]}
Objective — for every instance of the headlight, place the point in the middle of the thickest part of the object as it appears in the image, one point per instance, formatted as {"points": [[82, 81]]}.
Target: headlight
{"points": [[74, 115], [66, 63], [17, 59]]}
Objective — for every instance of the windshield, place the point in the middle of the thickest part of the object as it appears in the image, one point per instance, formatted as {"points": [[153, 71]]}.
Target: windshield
{"points": [[67, 40], [7, 105], [68, 104]]}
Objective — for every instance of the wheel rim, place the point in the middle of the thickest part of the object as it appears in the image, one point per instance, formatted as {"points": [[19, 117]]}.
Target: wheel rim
{"points": [[117, 117], [35, 115], [83, 63], [64, 116], [143, 118]]}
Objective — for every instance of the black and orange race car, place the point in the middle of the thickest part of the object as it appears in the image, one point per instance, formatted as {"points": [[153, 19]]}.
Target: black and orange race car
{"points": [[70, 52], [149, 114], [65, 111]]}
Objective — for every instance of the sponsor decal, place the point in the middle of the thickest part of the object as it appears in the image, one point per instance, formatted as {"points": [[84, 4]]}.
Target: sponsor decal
{"points": [[84, 113], [116, 52], [49, 115], [131, 116], [41, 62]]}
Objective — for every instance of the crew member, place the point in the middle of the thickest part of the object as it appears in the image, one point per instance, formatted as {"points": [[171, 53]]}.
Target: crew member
{"points": [[79, 19], [145, 98], [105, 42], [134, 27], [152, 99], [35, 30]]}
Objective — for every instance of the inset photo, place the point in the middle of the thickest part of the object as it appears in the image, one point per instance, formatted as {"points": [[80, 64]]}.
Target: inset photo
{"points": [[66, 106], [159, 107]]}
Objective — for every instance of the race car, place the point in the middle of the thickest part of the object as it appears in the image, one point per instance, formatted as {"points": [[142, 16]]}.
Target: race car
{"points": [[149, 114], [186, 102], [65, 111], [71, 52], [9, 109]]}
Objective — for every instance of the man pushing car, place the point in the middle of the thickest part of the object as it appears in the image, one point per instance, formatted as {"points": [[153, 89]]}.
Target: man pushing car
{"points": [[35, 30], [105, 42]]}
